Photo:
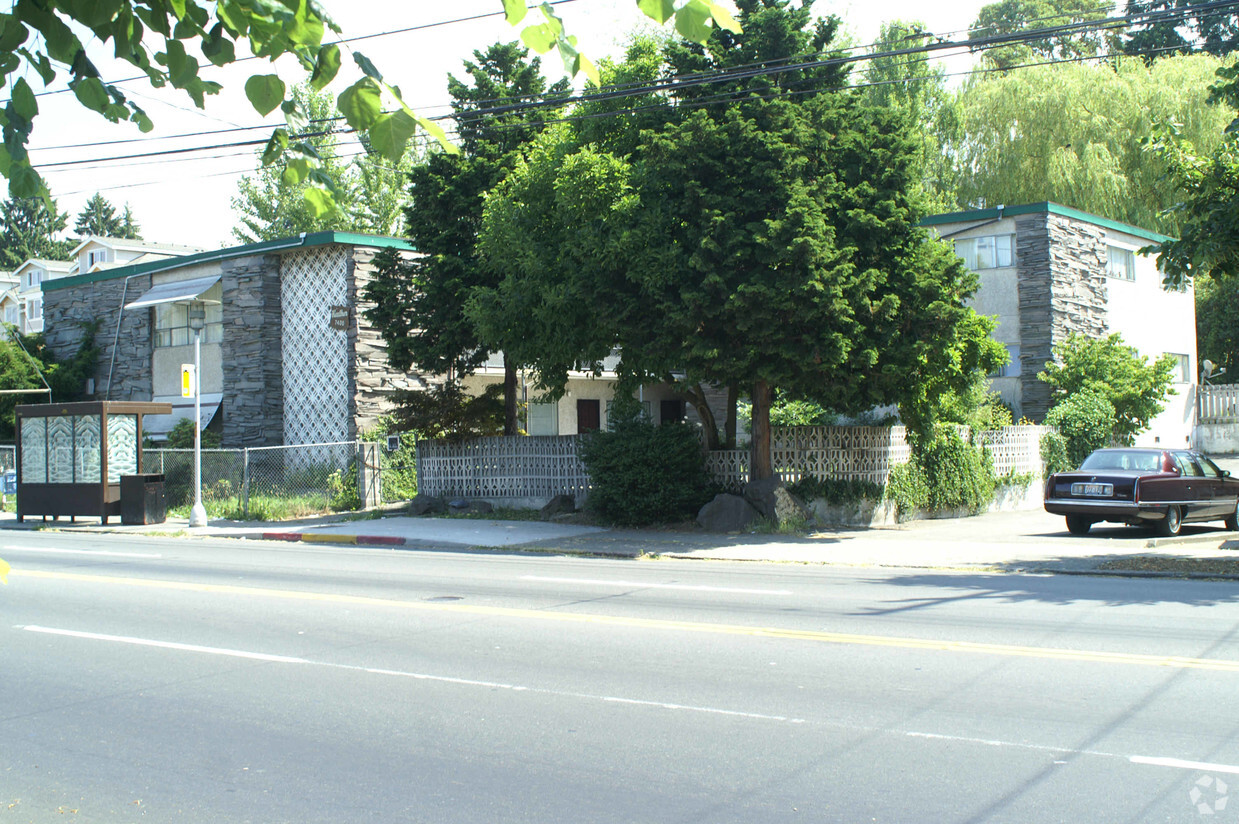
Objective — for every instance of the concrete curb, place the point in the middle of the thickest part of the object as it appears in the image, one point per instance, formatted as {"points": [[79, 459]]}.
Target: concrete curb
{"points": [[328, 538]]}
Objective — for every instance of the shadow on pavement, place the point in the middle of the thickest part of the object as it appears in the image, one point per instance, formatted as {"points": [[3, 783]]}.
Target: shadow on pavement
{"points": [[1054, 589]]}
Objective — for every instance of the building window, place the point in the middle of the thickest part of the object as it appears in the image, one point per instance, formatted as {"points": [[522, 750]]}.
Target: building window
{"points": [[172, 321], [34, 309], [544, 419], [1182, 368], [992, 252], [11, 314], [98, 256], [1120, 263], [33, 278], [1010, 369]]}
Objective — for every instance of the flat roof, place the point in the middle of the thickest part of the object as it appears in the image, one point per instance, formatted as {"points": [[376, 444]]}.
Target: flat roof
{"points": [[302, 241], [1044, 206]]}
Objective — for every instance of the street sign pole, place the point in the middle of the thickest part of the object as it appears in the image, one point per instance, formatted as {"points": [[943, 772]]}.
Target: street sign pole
{"points": [[197, 514]]}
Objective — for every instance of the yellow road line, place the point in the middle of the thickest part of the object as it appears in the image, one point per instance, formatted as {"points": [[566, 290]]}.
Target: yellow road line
{"points": [[1172, 661]]}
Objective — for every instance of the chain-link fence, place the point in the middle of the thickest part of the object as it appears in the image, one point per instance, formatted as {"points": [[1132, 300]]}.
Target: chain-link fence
{"points": [[274, 482]]}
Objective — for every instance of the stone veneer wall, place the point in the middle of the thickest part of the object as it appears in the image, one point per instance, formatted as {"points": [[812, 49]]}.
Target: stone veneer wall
{"points": [[250, 352], [65, 309], [1062, 289], [371, 380]]}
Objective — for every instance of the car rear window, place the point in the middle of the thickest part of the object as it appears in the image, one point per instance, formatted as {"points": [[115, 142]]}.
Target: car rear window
{"points": [[1124, 459]]}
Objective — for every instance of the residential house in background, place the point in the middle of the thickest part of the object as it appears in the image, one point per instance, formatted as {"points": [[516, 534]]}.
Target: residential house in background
{"points": [[1046, 271], [96, 253], [10, 308], [31, 276]]}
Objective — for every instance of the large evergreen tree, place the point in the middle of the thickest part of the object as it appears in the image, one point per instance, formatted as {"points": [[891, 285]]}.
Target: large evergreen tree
{"points": [[767, 239], [28, 229], [98, 217], [419, 305]]}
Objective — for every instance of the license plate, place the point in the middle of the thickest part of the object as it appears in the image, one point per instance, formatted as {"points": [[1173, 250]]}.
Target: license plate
{"points": [[1100, 490]]}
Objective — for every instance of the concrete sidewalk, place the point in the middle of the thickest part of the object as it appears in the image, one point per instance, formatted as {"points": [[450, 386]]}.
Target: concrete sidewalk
{"points": [[1007, 541]]}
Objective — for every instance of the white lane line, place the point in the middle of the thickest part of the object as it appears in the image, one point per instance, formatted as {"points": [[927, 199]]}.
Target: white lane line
{"points": [[146, 642], [645, 585], [283, 659], [1202, 766], [992, 742], [99, 552]]}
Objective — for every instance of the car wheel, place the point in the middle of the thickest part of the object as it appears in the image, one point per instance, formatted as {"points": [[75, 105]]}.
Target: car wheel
{"points": [[1169, 526], [1232, 520], [1078, 524]]}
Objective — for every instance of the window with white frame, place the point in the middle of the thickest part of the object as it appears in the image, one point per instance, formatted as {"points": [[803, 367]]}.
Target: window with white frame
{"points": [[11, 314], [172, 321], [1182, 368], [543, 418], [98, 256], [33, 278], [991, 252], [1010, 369], [1120, 263], [34, 309]]}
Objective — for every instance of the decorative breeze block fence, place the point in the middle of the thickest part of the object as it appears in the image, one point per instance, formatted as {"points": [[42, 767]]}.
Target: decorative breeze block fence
{"points": [[534, 466], [544, 466]]}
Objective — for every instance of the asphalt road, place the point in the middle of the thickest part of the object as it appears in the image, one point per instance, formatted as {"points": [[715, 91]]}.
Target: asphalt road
{"points": [[214, 681]]}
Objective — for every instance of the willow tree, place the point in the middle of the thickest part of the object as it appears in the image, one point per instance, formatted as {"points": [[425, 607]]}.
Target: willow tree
{"points": [[1076, 134]]}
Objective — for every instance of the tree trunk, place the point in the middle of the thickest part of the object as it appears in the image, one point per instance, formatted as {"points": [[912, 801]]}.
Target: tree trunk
{"points": [[511, 422], [761, 466], [697, 397], [733, 401]]}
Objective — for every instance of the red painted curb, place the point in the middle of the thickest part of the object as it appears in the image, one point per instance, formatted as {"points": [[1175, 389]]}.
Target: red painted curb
{"points": [[381, 540], [281, 536]]}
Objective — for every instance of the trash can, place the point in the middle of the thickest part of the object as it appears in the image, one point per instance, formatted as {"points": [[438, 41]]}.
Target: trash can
{"points": [[142, 499]]}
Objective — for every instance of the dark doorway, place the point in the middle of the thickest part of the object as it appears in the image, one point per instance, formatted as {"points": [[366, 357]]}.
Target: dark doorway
{"points": [[588, 416], [670, 411]]}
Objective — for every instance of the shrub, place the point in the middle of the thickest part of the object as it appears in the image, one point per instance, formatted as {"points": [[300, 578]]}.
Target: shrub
{"points": [[182, 436], [959, 475], [645, 474], [1085, 420], [835, 490], [907, 490], [1054, 453]]}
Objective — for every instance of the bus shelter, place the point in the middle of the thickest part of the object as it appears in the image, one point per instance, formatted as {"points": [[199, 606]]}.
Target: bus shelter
{"points": [[71, 456]]}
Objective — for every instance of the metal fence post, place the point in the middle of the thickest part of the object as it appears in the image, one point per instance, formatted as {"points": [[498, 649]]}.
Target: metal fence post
{"points": [[245, 482]]}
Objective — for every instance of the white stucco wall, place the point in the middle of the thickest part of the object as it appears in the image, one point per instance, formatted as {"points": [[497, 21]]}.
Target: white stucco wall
{"points": [[1156, 321]]}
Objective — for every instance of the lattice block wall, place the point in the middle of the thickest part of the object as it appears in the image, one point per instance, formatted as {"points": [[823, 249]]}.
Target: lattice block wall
{"points": [[516, 467], [316, 386]]}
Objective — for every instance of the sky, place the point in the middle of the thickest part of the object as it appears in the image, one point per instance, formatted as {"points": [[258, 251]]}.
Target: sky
{"points": [[187, 199]]}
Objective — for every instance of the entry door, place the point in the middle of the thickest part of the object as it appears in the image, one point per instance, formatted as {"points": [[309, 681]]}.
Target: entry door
{"points": [[588, 416]]}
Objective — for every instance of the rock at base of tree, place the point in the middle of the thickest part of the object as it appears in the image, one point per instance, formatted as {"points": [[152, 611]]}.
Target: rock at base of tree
{"points": [[559, 505], [481, 506], [771, 498], [422, 504], [727, 513]]}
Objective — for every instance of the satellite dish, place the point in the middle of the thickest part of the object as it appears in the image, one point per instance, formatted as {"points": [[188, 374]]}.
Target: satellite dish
{"points": [[1206, 368]]}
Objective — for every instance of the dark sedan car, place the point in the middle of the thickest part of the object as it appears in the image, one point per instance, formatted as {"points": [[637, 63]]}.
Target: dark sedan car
{"points": [[1162, 488]]}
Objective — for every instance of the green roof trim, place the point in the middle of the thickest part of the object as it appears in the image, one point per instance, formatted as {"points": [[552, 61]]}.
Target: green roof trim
{"points": [[1044, 206], [284, 244]]}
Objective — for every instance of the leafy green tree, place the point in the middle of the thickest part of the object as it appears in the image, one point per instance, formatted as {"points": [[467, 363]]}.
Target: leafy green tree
{"points": [[915, 89], [98, 217], [1206, 27], [17, 371], [1076, 134], [1217, 335], [28, 229], [1118, 373], [766, 242], [419, 304], [271, 203], [1085, 421], [1008, 17]]}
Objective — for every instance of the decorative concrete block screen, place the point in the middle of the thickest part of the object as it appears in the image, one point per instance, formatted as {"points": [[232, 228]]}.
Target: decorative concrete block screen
{"points": [[537, 466], [866, 453]]}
